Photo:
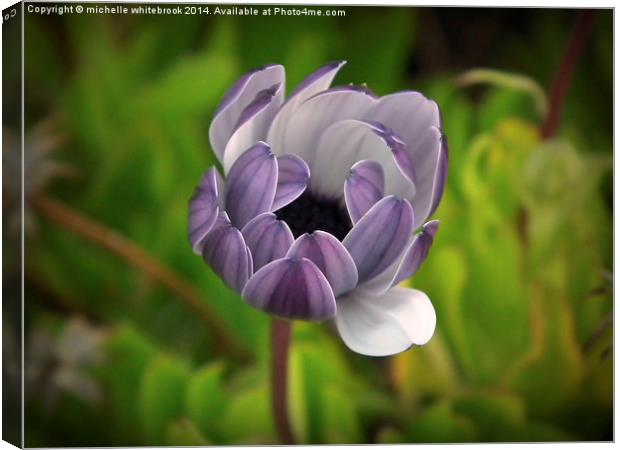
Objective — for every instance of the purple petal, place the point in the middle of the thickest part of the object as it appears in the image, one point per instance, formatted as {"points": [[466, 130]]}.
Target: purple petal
{"points": [[252, 124], [380, 236], [293, 176], [440, 176], [293, 288], [238, 97], [417, 252], [346, 142], [406, 265], [268, 238], [203, 209], [225, 251], [330, 257], [316, 82], [363, 188], [251, 184]]}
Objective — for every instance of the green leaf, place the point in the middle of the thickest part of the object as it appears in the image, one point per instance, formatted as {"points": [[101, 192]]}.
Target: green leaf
{"points": [[341, 422], [495, 414], [439, 424], [128, 353], [183, 432], [160, 397], [424, 371], [316, 365], [205, 399], [247, 418]]}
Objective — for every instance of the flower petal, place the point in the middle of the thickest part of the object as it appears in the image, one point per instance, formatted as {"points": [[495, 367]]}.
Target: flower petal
{"points": [[440, 175], [251, 184], [293, 288], [330, 257], [348, 141], [407, 265], [417, 121], [316, 82], [378, 238], [268, 238], [382, 326], [203, 209], [313, 116], [363, 188], [225, 251], [253, 124], [238, 97], [293, 176]]}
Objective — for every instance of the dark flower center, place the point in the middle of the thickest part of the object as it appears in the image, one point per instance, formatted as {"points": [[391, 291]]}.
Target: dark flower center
{"points": [[311, 212]]}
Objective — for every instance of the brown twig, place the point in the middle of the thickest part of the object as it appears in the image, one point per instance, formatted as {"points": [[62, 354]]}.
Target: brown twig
{"points": [[563, 75], [280, 340], [135, 256]]}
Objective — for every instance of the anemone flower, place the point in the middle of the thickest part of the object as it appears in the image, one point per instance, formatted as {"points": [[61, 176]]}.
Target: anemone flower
{"points": [[324, 204]]}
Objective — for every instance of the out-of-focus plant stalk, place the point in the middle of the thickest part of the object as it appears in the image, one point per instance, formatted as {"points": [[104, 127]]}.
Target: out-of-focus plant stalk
{"points": [[508, 80], [135, 256], [280, 343], [564, 74]]}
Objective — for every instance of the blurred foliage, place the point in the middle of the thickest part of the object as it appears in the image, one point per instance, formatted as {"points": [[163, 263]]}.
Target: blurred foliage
{"points": [[519, 273]]}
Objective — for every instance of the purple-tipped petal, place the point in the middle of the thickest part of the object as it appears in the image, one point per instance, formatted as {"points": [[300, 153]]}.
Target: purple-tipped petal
{"points": [[408, 113], [417, 121], [417, 253], [293, 288], [225, 251], [238, 97], [316, 82], [398, 147], [330, 257], [431, 169], [346, 142], [405, 266], [252, 124], [268, 238], [379, 237], [386, 325], [293, 176], [308, 122], [441, 175], [363, 188], [203, 209], [251, 184]]}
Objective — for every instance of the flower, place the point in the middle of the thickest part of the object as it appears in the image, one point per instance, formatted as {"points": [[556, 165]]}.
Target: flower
{"points": [[324, 207]]}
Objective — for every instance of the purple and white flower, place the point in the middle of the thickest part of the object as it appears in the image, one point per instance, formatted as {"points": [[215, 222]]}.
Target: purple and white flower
{"points": [[324, 204]]}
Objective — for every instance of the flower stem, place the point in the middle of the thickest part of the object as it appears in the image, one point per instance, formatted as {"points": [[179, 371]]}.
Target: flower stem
{"points": [[562, 78], [280, 340]]}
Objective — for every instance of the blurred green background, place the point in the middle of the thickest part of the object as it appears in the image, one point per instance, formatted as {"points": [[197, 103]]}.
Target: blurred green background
{"points": [[117, 115]]}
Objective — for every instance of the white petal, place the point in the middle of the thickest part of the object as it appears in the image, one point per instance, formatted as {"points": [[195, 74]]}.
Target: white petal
{"points": [[316, 82], [312, 117], [386, 325], [346, 142]]}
